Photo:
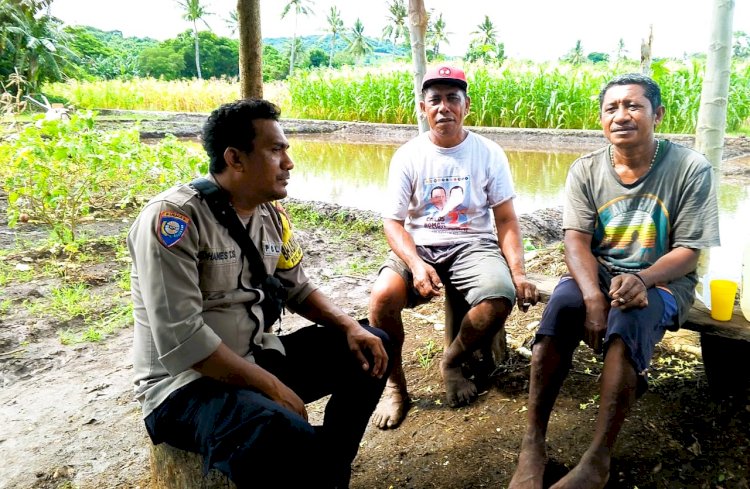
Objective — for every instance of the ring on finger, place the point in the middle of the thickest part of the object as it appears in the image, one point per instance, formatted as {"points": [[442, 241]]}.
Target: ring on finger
{"points": [[621, 300]]}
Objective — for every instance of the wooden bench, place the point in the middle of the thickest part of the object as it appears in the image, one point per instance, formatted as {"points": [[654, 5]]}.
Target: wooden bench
{"points": [[725, 345]]}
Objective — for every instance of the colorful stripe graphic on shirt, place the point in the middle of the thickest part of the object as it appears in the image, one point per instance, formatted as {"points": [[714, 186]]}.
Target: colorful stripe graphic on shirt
{"points": [[632, 232]]}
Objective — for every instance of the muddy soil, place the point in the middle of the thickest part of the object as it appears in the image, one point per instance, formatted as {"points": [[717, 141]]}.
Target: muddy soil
{"points": [[68, 418]]}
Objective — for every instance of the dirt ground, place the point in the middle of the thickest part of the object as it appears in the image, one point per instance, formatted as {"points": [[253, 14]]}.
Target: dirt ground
{"points": [[68, 418]]}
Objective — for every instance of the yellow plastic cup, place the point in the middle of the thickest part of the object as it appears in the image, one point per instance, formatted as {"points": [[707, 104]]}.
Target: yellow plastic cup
{"points": [[722, 299]]}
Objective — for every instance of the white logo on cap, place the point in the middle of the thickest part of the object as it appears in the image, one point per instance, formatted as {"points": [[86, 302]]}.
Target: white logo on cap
{"points": [[444, 71]]}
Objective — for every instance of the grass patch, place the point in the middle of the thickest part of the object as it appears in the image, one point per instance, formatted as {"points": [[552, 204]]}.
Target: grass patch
{"points": [[96, 330], [345, 221], [71, 301], [10, 273]]}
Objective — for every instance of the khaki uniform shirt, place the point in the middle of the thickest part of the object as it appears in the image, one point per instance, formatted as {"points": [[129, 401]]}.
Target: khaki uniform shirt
{"points": [[190, 287]]}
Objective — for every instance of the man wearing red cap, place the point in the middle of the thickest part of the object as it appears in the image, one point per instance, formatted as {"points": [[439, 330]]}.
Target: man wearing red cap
{"points": [[482, 259]]}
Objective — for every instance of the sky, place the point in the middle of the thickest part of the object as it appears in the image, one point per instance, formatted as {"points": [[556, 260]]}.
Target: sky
{"points": [[531, 29]]}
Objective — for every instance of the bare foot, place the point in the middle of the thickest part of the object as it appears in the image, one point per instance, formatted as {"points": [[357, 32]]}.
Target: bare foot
{"points": [[592, 472], [391, 409], [531, 461], [458, 389]]}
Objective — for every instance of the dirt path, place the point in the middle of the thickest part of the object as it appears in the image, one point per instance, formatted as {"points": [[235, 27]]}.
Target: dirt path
{"points": [[68, 420]]}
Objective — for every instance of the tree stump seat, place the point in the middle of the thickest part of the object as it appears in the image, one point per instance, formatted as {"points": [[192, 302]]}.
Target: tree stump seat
{"points": [[172, 468]]}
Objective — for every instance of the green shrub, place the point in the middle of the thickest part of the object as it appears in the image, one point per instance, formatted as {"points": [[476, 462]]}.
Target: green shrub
{"points": [[58, 172]]}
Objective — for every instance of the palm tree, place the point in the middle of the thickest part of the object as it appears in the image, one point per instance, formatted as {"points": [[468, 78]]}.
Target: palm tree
{"points": [[358, 43], [436, 34], [194, 12], [575, 55], [33, 42], [232, 22], [396, 26], [484, 45], [335, 27], [299, 8], [486, 34]]}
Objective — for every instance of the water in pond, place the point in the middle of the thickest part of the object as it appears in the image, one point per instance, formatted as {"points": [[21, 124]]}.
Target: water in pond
{"points": [[355, 175]]}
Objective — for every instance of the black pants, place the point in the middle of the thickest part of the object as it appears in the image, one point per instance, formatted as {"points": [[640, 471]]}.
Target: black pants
{"points": [[256, 442]]}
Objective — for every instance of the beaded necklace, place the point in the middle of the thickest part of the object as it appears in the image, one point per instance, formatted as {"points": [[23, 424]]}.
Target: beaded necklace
{"points": [[653, 160]]}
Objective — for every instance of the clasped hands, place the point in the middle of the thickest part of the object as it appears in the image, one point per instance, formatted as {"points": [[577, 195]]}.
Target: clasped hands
{"points": [[628, 291]]}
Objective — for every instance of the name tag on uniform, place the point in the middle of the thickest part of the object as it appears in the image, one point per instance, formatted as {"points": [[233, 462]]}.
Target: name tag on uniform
{"points": [[217, 255], [271, 249]]}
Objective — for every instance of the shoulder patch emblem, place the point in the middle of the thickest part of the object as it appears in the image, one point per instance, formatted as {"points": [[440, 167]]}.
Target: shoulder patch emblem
{"points": [[291, 252], [172, 226]]}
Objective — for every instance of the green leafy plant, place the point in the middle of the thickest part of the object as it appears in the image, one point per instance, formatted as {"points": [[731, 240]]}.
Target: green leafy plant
{"points": [[426, 354], [5, 306], [58, 172], [528, 245]]}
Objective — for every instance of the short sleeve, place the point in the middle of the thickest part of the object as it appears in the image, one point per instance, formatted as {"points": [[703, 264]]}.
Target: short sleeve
{"points": [[697, 221], [579, 210], [500, 181], [399, 189]]}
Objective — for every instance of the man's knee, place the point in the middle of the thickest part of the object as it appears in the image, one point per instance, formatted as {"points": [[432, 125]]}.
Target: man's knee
{"points": [[491, 313], [387, 298]]}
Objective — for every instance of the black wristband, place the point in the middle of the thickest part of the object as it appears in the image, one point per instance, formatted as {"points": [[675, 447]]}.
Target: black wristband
{"points": [[642, 281]]}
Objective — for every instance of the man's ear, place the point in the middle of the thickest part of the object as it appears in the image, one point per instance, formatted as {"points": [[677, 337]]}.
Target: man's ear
{"points": [[232, 159], [659, 115]]}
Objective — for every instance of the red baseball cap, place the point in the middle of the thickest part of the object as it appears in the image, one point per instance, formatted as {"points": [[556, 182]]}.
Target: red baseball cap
{"points": [[446, 75]]}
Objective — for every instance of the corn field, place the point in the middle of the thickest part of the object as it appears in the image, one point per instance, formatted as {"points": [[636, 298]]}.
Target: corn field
{"points": [[555, 96]]}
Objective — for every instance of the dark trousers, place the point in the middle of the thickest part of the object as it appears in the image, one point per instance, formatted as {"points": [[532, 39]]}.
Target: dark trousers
{"points": [[256, 442]]}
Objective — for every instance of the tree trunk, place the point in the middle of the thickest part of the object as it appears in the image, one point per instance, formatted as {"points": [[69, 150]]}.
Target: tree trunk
{"points": [[712, 115], [197, 51], [417, 29], [251, 49], [294, 47], [646, 52], [330, 58], [176, 469]]}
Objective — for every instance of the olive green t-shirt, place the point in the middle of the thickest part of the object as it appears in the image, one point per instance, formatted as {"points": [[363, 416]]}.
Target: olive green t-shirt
{"points": [[633, 225]]}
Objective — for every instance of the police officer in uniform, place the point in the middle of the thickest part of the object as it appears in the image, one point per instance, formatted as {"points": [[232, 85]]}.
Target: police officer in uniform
{"points": [[210, 375]]}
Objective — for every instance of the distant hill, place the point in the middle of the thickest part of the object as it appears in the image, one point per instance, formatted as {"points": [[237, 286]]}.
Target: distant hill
{"points": [[381, 47]]}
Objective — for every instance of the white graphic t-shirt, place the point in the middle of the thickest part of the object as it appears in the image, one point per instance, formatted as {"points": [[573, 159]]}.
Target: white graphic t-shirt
{"points": [[446, 195]]}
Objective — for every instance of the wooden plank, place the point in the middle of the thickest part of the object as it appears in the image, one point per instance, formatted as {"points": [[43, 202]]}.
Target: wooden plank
{"points": [[699, 318]]}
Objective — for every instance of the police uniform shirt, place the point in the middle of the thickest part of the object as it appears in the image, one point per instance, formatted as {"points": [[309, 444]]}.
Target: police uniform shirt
{"points": [[190, 286]]}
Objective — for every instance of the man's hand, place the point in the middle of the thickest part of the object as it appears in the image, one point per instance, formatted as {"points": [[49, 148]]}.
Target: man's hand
{"points": [[287, 398], [595, 326], [526, 293], [426, 280], [360, 339], [227, 366], [628, 291]]}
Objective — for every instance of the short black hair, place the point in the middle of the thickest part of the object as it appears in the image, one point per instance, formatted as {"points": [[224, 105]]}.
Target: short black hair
{"points": [[231, 125], [651, 89], [438, 187]]}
